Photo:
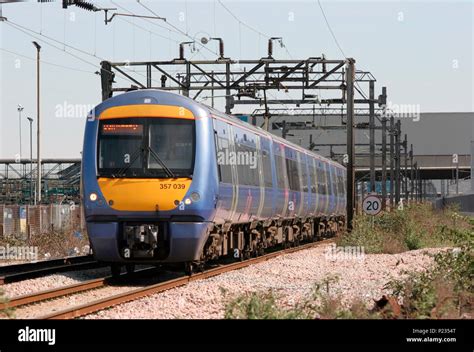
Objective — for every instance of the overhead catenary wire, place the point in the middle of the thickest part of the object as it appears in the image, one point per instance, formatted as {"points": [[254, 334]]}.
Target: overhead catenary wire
{"points": [[328, 25], [330, 29], [175, 28], [39, 36], [45, 62]]}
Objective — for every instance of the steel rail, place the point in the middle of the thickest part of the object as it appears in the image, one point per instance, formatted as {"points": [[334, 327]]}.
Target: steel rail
{"points": [[18, 272], [57, 292]]}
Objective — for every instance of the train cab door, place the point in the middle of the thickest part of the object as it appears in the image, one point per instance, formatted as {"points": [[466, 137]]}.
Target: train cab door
{"points": [[331, 191], [261, 177], [235, 178], [228, 183], [301, 166], [314, 187]]}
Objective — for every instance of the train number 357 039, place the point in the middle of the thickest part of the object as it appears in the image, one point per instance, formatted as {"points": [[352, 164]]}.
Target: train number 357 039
{"points": [[172, 186]]}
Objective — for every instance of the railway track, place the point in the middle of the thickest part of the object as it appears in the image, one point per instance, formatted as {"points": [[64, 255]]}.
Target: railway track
{"points": [[100, 304], [41, 296], [18, 272]]}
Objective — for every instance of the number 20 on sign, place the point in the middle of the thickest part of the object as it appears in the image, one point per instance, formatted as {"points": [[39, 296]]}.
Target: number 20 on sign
{"points": [[372, 205]]}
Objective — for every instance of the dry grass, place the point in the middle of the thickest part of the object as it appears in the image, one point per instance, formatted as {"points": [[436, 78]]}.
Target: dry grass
{"points": [[52, 245]]}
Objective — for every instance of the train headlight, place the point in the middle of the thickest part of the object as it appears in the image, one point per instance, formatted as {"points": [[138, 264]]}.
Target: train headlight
{"points": [[195, 196], [93, 197], [187, 201]]}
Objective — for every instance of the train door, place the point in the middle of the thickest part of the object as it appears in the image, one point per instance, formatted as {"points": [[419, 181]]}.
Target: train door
{"points": [[301, 165], [228, 184], [323, 187], [268, 178], [281, 185], [261, 178], [314, 186], [335, 178], [246, 162], [331, 191]]}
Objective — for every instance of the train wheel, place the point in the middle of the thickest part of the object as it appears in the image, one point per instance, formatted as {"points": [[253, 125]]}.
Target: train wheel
{"points": [[247, 254], [130, 268], [115, 270], [189, 268], [201, 267]]}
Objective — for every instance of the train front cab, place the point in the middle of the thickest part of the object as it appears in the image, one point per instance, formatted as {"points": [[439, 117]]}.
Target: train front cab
{"points": [[144, 204]]}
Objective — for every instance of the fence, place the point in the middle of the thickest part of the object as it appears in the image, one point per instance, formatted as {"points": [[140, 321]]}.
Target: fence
{"points": [[28, 220]]}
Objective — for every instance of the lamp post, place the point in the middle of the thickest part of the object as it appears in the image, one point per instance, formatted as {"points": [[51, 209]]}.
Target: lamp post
{"points": [[20, 109], [38, 130], [31, 157]]}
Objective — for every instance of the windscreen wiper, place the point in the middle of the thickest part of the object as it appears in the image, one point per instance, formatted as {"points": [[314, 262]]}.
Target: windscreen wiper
{"points": [[134, 157], [161, 162]]}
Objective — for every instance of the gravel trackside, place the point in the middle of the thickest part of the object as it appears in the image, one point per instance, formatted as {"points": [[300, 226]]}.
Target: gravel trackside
{"points": [[291, 276]]}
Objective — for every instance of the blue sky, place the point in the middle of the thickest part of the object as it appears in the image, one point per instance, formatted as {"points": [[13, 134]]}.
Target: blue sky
{"points": [[422, 51]]}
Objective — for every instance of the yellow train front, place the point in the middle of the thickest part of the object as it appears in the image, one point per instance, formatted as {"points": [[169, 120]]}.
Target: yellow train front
{"points": [[144, 173]]}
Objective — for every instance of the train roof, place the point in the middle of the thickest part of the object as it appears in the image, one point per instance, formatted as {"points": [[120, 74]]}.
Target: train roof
{"points": [[170, 98], [259, 130]]}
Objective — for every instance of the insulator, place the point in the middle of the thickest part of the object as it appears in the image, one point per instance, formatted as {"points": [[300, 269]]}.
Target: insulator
{"points": [[85, 5]]}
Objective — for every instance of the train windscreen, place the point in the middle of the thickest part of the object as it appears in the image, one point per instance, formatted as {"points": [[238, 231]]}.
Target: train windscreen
{"points": [[146, 147]]}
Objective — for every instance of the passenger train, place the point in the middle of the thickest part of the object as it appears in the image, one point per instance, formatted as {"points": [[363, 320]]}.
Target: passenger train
{"points": [[166, 179]]}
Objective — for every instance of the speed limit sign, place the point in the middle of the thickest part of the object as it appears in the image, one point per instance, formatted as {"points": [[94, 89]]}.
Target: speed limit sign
{"points": [[372, 205]]}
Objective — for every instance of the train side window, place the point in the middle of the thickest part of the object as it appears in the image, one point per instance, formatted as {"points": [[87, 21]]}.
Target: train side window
{"points": [[304, 173], [322, 187], [280, 170], [246, 157], [223, 150], [267, 169], [328, 181], [314, 182], [223, 147], [293, 174]]}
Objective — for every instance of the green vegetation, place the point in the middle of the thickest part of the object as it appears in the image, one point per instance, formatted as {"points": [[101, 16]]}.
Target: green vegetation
{"points": [[444, 291], [7, 312], [319, 305], [415, 227]]}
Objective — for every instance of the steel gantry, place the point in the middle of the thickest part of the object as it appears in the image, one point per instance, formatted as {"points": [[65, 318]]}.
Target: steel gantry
{"points": [[270, 88]]}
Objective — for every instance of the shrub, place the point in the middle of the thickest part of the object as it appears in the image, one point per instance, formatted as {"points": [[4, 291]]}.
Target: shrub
{"points": [[445, 291], [416, 226]]}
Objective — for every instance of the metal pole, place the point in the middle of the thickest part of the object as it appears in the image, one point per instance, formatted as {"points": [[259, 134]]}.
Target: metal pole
{"points": [[372, 134], [227, 89], [405, 145], [457, 178], [472, 166], [350, 76], [31, 158], [38, 125], [20, 109], [397, 162], [188, 79], [384, 162], [392, 160], [212, 91]]}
